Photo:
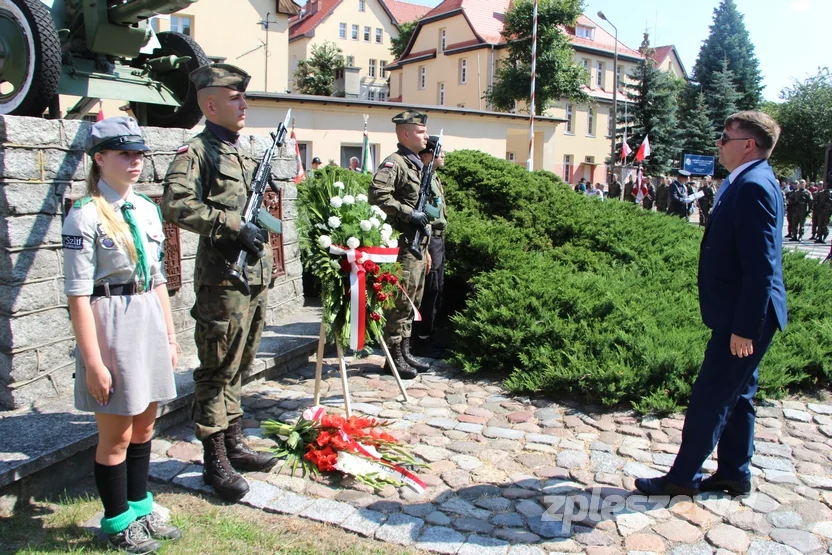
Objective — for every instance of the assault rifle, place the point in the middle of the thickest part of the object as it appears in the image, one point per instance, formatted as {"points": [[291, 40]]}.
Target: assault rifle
{"points": [[424, 196], [262, 178]]}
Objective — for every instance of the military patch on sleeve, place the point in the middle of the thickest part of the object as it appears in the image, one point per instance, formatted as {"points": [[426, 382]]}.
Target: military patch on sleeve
{"points": [[73, 242], [183, 148], [388, 164]]}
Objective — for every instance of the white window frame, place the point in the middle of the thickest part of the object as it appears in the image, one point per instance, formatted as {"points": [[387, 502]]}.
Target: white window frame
{"points": [[382, 96], [354, 32], [371, 94], [570, 120], [371, 71], [342, 31], [585, 32], [443, 36], [588, 69], [618, 73], [599, 74], [441, 95], [463, 71], [590, 122], [367, 33], [511, 157], [382, 69], [423, 77], [362, 5], [177, 27], [379, 35], [567, 167], [610, 125]]}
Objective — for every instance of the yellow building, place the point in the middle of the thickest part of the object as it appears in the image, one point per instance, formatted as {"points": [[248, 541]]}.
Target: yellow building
{"points": [[452, 57], [362, 29]]}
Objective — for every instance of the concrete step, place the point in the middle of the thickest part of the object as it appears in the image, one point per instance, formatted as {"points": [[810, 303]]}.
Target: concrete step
{"points": [[45, 447]]}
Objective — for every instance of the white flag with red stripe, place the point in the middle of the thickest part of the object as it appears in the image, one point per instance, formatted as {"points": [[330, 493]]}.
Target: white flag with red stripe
{"points": [[641, 187], [625, 148], [301, 173], [644, 149]]}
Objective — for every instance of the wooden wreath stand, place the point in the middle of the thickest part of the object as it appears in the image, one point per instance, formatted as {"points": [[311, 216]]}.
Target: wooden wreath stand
{"points": [[342, 367]]}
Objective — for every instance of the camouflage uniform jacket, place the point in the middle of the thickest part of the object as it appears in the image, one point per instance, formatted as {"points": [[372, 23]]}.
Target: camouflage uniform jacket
{"points": [[438, 192], [395, 188], [800, 200], [823, 201], [205, 191]]}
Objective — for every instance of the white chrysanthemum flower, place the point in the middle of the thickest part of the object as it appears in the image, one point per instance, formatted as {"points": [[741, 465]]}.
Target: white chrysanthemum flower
{"points": [[385, 234], [360, 197], [349, 199], [353, 243], [335, 264], [365, 225], [335, 202], [387, 228], [392, 243], [338, 185], [354, 465], [334, 222], [375, 221], [325, 241], [321, 226]]}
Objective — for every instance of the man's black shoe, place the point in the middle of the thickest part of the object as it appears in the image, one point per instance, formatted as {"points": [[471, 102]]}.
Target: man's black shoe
{"points": [[661, 486], [732, 487], [414, 363]]}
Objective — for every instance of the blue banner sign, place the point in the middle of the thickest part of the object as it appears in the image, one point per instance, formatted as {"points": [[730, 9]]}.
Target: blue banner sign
{"points": [[697, 164]]}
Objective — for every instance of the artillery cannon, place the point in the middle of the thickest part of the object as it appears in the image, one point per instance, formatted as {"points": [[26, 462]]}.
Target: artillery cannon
{"points": [[97, 49]]}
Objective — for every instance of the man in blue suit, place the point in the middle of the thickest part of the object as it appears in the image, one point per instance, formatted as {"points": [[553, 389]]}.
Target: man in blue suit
{"points": [[743, 301]]}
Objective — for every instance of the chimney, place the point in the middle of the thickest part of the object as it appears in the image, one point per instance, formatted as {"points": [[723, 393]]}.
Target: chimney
{"points": [[311, 7], [348, 82]]}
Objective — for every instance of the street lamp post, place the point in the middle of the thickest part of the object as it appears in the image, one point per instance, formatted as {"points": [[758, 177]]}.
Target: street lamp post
{"points": [[614, 96]]}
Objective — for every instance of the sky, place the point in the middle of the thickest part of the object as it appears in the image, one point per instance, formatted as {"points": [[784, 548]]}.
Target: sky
{"points": [[787, 34]]}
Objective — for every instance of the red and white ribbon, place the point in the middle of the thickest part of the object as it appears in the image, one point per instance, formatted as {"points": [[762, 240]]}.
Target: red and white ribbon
{"points": [[386, 467], [358, 286]]}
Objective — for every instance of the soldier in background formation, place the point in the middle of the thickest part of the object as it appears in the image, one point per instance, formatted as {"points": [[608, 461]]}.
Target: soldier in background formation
{"points": [[822, 210], [650, 197], [615, 188], [798, 203], [205, 192], [706, 203], [395, 189], [629, 196], [662, 194]]}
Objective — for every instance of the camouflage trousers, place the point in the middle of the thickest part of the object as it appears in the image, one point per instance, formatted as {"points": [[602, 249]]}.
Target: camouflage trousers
{"points": [[823, 225], [400, 318], [229, 323], [797, 220]]}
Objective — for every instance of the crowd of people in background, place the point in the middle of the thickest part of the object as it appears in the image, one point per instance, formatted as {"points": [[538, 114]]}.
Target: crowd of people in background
{"points": [[671, 194]]}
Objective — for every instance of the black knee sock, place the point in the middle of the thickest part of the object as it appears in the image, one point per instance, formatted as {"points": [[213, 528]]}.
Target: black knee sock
{"points": [[111, 482], [138, 464]]}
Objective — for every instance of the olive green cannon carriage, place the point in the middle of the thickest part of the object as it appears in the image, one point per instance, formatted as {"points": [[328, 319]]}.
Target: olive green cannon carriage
{"points": [[97, 49]]}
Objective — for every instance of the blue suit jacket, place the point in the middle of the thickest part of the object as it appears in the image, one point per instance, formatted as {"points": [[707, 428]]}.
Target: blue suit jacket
{"points": [[741, 257]]}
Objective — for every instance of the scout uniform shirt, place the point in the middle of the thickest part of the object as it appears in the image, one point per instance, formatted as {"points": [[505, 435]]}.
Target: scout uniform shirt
{"points": [[395, 188], [206, 189], [93, 258]]}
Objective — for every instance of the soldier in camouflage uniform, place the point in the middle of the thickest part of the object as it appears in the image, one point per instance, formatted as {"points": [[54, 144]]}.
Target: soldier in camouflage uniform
{"points": [[823, 208], [799, 202], [205, 192], [662, 195], [395, 189]]}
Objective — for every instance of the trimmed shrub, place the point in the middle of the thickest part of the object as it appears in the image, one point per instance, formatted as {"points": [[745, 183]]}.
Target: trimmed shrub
{"points": [[569, 295]]}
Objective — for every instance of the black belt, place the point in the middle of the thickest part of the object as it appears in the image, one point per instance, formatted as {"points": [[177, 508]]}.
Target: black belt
{"points": [[115, 290], [437, 232]]}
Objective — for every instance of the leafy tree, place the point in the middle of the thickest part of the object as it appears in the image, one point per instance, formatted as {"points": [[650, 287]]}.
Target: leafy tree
{"points": [[805, 116], [698, 135], [723, 96], [729, 40], [316, 74], [399, 43], [558, 76], [653, 96]]}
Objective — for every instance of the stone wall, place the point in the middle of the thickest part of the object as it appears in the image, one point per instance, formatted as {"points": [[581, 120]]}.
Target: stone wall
{"points": [[42, 164]]}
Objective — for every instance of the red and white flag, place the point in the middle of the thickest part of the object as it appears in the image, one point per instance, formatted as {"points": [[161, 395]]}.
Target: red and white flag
{"points": [[640, 190], [644, 149], [301, 172], [625, 148], [100, 115]]}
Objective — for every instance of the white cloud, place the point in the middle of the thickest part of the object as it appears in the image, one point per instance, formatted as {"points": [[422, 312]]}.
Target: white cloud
{"points": [[799, 5]]}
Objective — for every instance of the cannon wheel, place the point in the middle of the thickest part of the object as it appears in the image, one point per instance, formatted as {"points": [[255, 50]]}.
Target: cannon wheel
{"points": [[188, 114], [30, 58]]}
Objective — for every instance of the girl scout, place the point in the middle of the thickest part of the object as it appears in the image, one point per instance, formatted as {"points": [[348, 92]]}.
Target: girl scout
{"points": [[126, 347]]}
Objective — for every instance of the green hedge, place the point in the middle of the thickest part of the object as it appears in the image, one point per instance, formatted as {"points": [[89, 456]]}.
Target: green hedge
{"points": [[571, 296]]}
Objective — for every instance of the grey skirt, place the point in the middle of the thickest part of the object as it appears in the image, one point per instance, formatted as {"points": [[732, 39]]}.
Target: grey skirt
{"points": [[133, 340]]}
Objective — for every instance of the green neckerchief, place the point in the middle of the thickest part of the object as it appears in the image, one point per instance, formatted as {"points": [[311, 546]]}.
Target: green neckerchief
{"points": [[142, 266]]}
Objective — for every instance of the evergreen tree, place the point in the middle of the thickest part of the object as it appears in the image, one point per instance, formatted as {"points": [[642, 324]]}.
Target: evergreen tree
{"points": [[558, 75], [723, 96], [653, 96], [399, 43], [729, 40], [698, 136], [316, 74]]}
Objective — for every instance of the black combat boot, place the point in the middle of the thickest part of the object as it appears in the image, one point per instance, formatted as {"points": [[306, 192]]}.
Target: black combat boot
{"points": [[406, 371], [241, 456], [410, 359], [217, 471]]}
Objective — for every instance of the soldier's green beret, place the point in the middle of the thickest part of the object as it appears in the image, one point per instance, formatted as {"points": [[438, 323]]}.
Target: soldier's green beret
{"points": [[410, 116], [220, 75]]}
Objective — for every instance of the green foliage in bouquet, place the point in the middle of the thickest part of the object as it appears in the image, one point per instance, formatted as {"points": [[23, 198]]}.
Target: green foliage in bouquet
{"points": [[573, 296], [333, 209]]}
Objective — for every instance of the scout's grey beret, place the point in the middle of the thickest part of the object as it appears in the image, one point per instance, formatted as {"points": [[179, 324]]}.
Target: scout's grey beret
{"points": [[119, 133]]}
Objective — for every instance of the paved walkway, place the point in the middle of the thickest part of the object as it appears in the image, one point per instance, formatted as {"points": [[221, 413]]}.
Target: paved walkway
{"points": [[513, 475]]}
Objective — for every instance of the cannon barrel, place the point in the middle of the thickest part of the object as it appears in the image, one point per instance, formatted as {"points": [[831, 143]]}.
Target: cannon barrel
{"points": [[133, 11]]}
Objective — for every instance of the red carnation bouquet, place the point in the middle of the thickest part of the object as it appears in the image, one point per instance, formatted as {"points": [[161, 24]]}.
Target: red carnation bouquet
{"points": [[356, 446]]}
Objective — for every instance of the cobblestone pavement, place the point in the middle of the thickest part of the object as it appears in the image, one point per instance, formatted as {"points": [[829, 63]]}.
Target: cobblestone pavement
{"points": [[512, 475]]}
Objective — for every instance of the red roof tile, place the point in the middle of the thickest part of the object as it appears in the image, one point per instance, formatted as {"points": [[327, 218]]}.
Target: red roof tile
{"points": [[404, 12], [602, 41], [487, 17], [661, 53], [305, 22]]}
